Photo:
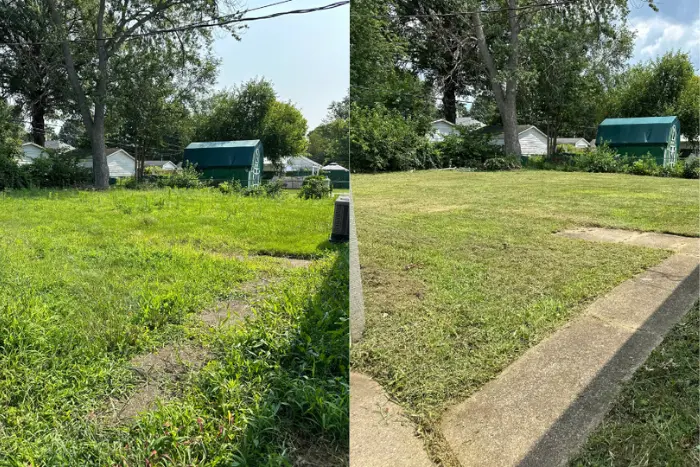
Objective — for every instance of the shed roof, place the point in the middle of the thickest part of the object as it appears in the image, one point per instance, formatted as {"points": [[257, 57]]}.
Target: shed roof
{"points": [[644, 130], [223, 153], [248, 143]]}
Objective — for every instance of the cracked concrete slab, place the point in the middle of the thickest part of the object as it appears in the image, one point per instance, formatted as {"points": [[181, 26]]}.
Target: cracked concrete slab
{"points": [[541, 409], [380, 434], [677, 243]]}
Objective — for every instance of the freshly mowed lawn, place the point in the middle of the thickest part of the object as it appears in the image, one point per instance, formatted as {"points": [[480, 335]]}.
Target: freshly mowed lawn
{"points": [[655, 419], [462, 274], [90, 280]]}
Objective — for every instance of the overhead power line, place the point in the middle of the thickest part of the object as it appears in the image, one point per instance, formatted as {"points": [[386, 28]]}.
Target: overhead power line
{"points": [[214, 22], [489, 10]]}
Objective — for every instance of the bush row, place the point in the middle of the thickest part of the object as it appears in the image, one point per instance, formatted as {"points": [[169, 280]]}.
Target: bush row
{"points": [[56, 170], [604, 160]]}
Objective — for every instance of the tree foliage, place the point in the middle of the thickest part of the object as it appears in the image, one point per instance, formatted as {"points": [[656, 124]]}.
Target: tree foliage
{"points": [[252, 111]]}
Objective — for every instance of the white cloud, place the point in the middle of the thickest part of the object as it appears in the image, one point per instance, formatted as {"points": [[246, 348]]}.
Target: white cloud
{"points": [[658, 36]]}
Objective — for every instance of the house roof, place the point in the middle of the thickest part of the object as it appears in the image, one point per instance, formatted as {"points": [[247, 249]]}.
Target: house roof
{"points": [[468, 121], [497, 130], [32, 144], [156, 163], [334, 166], [464, 121], [60, 145], [572, 140]]}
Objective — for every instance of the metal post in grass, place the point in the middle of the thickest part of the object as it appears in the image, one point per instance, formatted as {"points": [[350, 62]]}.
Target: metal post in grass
{"points": [[341, 220]]}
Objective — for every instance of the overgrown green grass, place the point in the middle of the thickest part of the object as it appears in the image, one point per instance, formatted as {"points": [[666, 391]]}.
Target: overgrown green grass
{"points": [[655, 419], [462, 274], [89, 280]]}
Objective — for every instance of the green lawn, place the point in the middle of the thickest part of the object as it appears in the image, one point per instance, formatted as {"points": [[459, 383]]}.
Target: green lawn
{"points": [[655, 419], [90, 280], [462, 274]]}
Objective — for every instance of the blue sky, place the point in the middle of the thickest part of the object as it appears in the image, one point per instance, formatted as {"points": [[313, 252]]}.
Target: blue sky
{"points": [[305, 56], [675, 26]]}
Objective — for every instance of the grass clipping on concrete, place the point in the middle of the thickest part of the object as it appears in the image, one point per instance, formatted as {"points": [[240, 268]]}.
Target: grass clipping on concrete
{"points": [[462, 274], [655, 419], [91, 281]]}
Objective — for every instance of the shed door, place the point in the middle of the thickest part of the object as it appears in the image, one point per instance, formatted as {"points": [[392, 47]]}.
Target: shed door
{"points": [[254, 174], [670, 154]]}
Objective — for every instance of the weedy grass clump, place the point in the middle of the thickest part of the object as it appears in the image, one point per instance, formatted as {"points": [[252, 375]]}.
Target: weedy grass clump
{"points": [[92, 280]]}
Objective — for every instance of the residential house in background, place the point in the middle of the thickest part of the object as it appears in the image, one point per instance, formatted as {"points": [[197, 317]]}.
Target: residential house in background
{"points": [[578, 143], [165, 166], [441, 128], [120, 163], [532, 140], [30, 152]]}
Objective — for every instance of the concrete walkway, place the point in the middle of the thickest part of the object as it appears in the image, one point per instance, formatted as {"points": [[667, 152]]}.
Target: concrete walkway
{"points": [[541, 409], [380, 435]]}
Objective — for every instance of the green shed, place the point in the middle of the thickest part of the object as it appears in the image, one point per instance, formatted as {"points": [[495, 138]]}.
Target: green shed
{"points": [[337, 174], [635, 137], [228, 160]]}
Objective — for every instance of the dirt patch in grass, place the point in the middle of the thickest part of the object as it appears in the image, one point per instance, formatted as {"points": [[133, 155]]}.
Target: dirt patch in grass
{"points": [[226, 313], [318, 453], [157, 373]]}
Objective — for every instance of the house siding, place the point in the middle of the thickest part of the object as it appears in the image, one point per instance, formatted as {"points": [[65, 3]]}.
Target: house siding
{"points": [[29, 153], [440, 130], [532, 142]]}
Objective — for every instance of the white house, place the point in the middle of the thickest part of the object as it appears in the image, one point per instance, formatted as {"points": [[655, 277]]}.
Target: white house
{"points": [[120, 163], [579, 143], [166, 166], [30, 152], [293, 164], [532, 140], [58, 146], [442, 127]]}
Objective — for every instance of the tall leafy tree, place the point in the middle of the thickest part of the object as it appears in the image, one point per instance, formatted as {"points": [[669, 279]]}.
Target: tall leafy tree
{"points": [[99, 29], [439, 49], [380, 71], [499, 26], [252, 111], [31, 69], [329, 141], [570, 62]]}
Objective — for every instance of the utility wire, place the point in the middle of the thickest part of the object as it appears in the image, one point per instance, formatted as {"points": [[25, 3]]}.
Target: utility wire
{"points": [[214, 22], [487, 10]]}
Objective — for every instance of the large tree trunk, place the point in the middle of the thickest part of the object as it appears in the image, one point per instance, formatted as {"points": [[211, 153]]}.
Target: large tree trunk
{"points": [[94, 125], [504, 93], [449, 100], [100, 168], [38, 111]]}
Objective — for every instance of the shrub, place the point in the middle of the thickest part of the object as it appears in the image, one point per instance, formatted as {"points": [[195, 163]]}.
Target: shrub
{"points": [[274, 188], [315, 187], [602, 160], [645, 166], [467, 148], [58, 170], [691, 168], [188, 177], [254, 191], [501, 163], [12, 175], [675, 170], [234, 186], [128, 182]]}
